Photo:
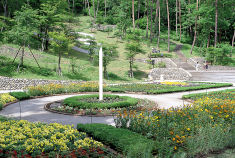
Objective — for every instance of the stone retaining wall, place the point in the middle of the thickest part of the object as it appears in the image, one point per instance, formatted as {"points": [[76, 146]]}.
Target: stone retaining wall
{"points": [[7, 83], [169, 74]]}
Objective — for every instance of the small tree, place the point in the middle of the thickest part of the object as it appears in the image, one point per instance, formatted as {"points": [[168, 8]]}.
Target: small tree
{"points": [[110, 53], [60, 44], [92, 49], [133, 49], [25, 28]]}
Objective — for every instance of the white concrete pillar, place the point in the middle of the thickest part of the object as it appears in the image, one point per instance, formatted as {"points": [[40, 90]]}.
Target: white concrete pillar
{"points": [[100, 74]]}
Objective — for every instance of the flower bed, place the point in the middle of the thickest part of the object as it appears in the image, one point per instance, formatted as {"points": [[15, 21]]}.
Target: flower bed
{"points": [[6, 98], [128, 143], [165, 87], [206, 126], [25, 139], [225, 94], [92, 102], [58, 107]]}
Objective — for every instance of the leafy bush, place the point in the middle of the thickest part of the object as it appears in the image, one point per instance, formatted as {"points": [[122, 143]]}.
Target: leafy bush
{"points": [[1, 106], [123, 140], [92, 101], [20, 95], [161, 65]]}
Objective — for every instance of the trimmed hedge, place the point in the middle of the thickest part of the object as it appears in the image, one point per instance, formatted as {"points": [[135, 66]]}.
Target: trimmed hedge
{"points": [[200, 95], [174, 88], [123, 140], [77, 103], [20, 95]]}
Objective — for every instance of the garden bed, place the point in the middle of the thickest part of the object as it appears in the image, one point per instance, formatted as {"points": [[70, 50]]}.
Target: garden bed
{"points": [[25, 139], [58, 107]]}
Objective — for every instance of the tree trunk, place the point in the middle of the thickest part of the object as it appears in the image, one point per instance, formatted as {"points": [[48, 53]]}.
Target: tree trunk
{"points": [[189, 11], [233, 42], [157, 1], [105, 73], [131, 74], [73, 6], [151, 26], [97, 9], [147, 27], [59, 68], [159, 23], [69, 5], [138, 9], [208, 41], [105, 10], [89, 8], [21, 60], [195, 32], [180, 18], [94, 10], [176, 18], [5, 6], [133, 14], [168, 21], [216, 21]]}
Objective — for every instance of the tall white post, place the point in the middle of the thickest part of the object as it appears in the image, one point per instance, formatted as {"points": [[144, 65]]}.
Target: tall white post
{"points": [[100, 74]]}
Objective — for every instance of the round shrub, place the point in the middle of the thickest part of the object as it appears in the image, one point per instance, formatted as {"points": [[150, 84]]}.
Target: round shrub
{"points": [[20, 95], [92, 102]]}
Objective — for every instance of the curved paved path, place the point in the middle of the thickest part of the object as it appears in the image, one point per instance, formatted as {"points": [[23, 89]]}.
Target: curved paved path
{"points": [[33, 110]]}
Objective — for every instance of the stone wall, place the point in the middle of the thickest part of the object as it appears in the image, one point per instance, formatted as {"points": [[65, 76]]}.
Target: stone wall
{"points": [[193, 61], [169, 63], [7, 83], [169, 74]]}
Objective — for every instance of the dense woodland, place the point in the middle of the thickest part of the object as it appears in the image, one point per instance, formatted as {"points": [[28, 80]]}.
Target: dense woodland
{"points": [[208, 25]]}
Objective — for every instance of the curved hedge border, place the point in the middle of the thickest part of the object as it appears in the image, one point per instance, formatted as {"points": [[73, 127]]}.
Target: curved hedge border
{"points": [[74, 102]]}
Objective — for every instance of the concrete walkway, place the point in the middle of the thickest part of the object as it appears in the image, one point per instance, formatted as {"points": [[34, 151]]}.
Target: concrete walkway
{"points": [[33, 110]]}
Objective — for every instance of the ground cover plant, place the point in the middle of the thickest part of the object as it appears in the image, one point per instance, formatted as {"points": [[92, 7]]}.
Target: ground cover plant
{"points": [[205, 126], [6, 98], [164, 87], [106, 111], [225, 94], [93, 102], [129, 143], [25, 139]]}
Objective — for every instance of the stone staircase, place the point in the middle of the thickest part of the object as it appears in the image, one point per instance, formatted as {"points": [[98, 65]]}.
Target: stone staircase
{"points": [[181, 61]]}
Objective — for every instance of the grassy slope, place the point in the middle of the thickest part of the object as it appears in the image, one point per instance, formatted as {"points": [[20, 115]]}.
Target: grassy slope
{"points": [[85, 70]]}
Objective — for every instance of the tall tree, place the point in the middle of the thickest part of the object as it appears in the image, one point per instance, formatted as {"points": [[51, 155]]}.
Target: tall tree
{"points": [[5, 6], [105, 8], [159, 23], [94, 11], [216, 21], [195, 30], [176, 17], [147, 26], [151, 20], [133, 14], [168, 21], [180, 18]]}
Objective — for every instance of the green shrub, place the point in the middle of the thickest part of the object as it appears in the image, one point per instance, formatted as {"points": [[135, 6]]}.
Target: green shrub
{"points": [[161, 65], [1, 106], [20, 95], [91, 101], [129, 143]]}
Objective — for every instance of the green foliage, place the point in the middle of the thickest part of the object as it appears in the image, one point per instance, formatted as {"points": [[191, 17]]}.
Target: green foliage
{"points": [[160, 65], [1, 107], [129, 143], [25, 28], [92, 102], [226, 94], [159, 89], [20, 95], [220, 55]]}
